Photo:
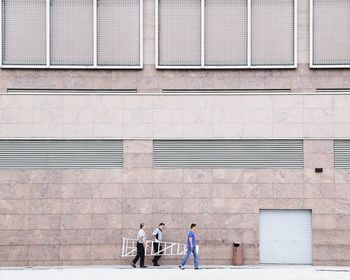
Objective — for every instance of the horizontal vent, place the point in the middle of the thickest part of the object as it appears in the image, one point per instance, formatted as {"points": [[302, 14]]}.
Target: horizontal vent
{"points": [[228, 154], [333, 90], [342, 153], [226, 91], [70, 91], [82, 154]]}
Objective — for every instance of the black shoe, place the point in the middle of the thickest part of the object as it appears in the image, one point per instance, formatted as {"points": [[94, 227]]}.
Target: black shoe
{"points": [[155, 264], [143, 266], [198, 268], [133, 265], [181, 267]]}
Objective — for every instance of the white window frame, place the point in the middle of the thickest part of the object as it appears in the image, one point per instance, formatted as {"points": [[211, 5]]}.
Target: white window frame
{"points": [[94, 66], [249, 40], [311, 44]]}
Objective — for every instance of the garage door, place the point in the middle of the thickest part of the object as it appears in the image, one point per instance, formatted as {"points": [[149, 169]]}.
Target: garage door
{"points": [[285, 237]]}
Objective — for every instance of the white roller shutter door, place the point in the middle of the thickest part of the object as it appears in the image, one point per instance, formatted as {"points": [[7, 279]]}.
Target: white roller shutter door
{"points": [[285, 237]]}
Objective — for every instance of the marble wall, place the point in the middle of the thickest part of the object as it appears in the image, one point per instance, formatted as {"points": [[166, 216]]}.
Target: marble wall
{"points": [[73, 217]]}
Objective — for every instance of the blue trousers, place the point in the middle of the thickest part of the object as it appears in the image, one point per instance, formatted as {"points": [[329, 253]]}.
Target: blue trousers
{"points": [[195, 255]]}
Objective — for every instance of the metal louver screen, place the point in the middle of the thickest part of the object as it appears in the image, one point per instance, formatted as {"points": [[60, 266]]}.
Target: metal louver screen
{"points": [[71, 32], [342, 154], [272, 32], [179, 32], [83, 154], [228, 154], [118, 32], [24, 32], [226, 32], [331, 32]]}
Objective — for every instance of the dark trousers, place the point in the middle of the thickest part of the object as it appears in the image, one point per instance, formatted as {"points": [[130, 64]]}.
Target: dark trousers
{"points": [[140, 254], [157, 247]]}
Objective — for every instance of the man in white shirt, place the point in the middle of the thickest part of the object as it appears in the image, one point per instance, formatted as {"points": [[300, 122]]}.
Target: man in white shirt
{"points": [[141, 244], [158, 238]]}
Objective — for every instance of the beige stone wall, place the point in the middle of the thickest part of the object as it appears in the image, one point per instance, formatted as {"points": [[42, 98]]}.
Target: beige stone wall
{"points": [[70, 217], [156, 116]]}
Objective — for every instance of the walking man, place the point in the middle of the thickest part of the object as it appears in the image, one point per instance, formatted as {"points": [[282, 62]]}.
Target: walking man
{"points": [[157, 246], [141, 244], [191, 248]]}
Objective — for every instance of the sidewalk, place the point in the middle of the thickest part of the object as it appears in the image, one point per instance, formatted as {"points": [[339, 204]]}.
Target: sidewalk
{"points": [[172, 273]]}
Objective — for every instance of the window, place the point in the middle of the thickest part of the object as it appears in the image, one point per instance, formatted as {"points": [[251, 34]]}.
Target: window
{"points": [[330, 33], [24, 32], [226, 34], [179, 31], [72, 33], [272, 32], [119, 46], [71, 30]]}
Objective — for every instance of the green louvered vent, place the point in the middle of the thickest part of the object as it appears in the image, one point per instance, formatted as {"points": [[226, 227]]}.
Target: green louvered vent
{"points": [[228, 154], [342, 153], [81, 154]]}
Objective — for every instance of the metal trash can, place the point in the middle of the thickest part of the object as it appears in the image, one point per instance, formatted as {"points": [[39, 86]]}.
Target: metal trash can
{"points": [[237, 253]]}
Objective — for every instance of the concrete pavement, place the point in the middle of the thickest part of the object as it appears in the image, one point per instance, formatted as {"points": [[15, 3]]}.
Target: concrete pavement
{"points": [[172, 273]]}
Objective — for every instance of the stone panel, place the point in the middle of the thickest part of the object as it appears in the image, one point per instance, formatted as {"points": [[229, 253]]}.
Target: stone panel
{"points": [[197, 190], [137, 206], [107, 205], [288, 191], [43, 253], [12, 207], [13, 253], [167, 206], [44, 237], [75, 221], [75, 236], [41, 191], [77, 191], [13, 237], [106, 236], [45, 206], [75, 252], [106, 221], [227, 176], [138, 190], [14, 191], [105, 252], [44, 222]]}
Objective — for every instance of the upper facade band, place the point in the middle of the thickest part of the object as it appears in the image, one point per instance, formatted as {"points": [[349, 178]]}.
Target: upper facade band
{"points": [[189, 34]]}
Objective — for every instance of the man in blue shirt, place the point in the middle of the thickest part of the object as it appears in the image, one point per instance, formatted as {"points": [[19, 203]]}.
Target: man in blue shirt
{"points": [[191, 248]]}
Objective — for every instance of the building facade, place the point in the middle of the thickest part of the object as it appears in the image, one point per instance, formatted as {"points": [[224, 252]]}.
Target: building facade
{"points": [[230, 114]]}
